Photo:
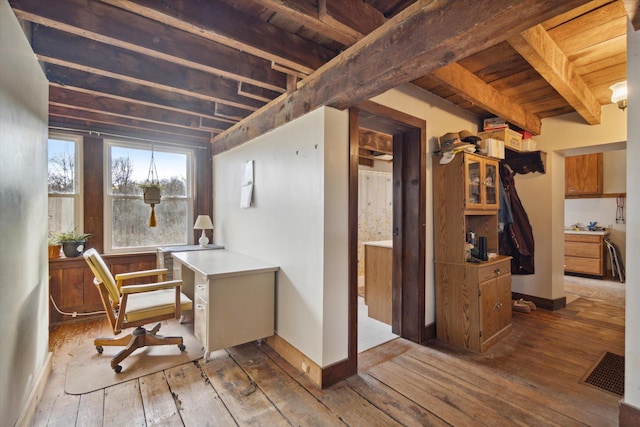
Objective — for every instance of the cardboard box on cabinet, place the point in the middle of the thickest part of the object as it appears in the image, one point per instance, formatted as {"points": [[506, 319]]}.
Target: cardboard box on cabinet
{"points": [[511, 138]]}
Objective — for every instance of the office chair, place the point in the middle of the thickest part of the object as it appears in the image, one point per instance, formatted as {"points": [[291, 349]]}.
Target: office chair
{"points": [[136, 305]]}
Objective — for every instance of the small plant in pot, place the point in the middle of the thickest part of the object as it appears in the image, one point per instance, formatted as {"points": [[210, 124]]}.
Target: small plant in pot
{"points": [[73, 242]]}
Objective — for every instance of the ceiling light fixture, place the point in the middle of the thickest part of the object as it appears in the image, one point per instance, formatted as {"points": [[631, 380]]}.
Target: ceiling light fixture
{"points": [[619, 94]]}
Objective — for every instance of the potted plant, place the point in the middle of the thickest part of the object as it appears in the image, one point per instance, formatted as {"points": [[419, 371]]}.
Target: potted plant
{"points": [[151, 192], [72, 242]]}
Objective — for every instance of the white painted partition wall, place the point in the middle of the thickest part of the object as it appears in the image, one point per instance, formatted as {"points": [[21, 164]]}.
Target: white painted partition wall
{"points": [[299, 221]]}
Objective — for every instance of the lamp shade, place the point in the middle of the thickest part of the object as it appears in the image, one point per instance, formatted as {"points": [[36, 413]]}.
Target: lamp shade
{"points": [[619, 91], [203, 222]]}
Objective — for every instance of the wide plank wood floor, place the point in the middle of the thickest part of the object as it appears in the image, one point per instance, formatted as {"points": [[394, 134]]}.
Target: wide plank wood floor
{"points": [[530, 378]]}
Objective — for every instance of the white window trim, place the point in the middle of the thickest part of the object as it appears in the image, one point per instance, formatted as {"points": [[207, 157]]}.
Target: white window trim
{"points": [[107, 198], [78, 192]]}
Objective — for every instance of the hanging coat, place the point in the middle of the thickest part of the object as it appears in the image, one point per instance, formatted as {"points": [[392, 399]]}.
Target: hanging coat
{"points": [[517, 238]]}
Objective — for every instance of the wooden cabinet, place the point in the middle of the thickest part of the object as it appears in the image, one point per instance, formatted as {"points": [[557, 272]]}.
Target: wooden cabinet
{"points": [[71, 284], [584, 254], [583, 175], [473, 300], [480, 175], [473, 303], [378, 261]]}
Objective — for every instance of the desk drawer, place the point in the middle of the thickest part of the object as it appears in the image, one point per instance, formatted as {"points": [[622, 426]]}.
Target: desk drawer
{"points": [[200, 316], [202, 291]]}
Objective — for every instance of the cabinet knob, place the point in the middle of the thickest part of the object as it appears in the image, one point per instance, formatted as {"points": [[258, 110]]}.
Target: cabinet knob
{"points": [[497, 271], [200, 307], [498, 305]]}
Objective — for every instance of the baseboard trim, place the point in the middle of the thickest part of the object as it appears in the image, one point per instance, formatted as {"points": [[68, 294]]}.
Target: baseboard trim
{"points": [[545, 303], [296, 358], [29, 410], [628, 415]]}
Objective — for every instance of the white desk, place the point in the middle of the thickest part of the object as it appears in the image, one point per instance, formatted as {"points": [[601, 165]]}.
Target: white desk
{"points": [[233, 296]]}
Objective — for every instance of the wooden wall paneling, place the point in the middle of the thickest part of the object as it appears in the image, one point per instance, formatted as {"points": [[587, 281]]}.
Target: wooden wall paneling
{"points": [[203, 186], [93, 174]]}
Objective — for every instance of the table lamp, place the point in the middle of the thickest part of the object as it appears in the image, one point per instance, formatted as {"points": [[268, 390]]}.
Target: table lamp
{"points": [[203, 222]]}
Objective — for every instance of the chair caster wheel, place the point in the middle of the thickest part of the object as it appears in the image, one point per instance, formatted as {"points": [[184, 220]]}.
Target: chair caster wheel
{"points": [[100, 349], [182, 347], [117, 368]]}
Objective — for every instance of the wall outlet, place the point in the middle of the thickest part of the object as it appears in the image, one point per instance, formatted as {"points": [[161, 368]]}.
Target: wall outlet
{"points": [[305, 367]]}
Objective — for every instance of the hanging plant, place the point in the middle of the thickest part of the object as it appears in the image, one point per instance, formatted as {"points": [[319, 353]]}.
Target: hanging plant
{"points": [[152, 190]]}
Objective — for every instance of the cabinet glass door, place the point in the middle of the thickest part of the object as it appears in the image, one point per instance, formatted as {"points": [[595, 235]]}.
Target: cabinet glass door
{"points": [[490, 184], [473, 177]]}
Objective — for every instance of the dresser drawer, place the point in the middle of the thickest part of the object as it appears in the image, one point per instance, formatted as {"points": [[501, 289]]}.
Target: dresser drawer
{"points": [[584, 238], [583, 265], [494, 270], [585, 250]]}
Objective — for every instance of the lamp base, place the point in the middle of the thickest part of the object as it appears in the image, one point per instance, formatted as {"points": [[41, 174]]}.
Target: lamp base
{"points": [[204, 240]]}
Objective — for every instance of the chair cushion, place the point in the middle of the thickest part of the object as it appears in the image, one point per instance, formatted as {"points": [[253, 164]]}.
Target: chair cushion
{"points": [[155, 303]]}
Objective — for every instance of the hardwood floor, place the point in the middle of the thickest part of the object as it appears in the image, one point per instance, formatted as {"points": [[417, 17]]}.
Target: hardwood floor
{"points": [[530, 378]]}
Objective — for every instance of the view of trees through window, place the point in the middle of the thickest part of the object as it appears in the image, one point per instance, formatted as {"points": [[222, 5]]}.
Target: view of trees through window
{"points": [[130, 168], [63, 188]]}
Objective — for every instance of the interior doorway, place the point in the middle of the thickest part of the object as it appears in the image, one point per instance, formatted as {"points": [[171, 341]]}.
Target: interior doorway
{"points": [[408, 229]]}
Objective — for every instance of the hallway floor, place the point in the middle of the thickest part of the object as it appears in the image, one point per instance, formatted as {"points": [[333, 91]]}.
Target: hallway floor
{"points": [[607, 290]]}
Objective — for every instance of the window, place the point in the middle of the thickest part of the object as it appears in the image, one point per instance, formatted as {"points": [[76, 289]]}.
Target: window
{"points": [[64, 179], [127, 216]]}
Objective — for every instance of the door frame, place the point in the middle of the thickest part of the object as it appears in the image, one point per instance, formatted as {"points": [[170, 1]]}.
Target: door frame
{"points": [[409, 215]]}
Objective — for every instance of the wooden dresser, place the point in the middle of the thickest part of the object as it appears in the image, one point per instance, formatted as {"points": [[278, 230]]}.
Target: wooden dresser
{"points": [[584, 253]]}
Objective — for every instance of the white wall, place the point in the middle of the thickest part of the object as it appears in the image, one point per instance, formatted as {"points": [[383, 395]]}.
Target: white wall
{"points": [[441, 117], [632, 344], [24, 314], [299, 221]]}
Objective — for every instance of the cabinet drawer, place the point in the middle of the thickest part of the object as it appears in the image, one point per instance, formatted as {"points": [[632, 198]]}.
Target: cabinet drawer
{"points": [[583, 265], [584, 250], [584, 238], [494, 270]]}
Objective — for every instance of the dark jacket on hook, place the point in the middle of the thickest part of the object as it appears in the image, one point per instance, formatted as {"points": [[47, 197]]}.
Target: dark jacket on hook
{"points": [[517, 238]]}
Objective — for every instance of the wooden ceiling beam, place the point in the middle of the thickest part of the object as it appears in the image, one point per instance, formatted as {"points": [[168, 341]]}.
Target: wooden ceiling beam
{"points": [[353, 17], [108, 119], [54, 46], [538, 48], [375, 141], [416, 41], [127, 91], [307, 15], [118, 27], [223, 24], [117, 107], [476, 91], [111, 129]]}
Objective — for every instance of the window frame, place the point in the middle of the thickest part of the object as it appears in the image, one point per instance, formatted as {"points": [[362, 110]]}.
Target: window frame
{"points": [[78, 192], [108, 197]]}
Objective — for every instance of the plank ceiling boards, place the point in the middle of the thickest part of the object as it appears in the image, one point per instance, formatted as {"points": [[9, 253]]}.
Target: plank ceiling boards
{"points": [[190, 71]]}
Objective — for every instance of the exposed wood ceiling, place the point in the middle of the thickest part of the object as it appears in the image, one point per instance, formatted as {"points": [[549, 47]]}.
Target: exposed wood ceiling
{"points": [[188, 70]]}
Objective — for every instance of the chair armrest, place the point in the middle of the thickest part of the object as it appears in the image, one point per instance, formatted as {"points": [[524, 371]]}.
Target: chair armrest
{"points": [[145, 273], [136, 289]]}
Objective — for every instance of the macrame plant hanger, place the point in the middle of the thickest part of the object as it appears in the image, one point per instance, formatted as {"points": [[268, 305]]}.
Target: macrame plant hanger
{"points": [[151, 190]]}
